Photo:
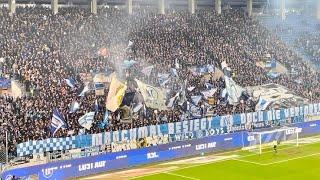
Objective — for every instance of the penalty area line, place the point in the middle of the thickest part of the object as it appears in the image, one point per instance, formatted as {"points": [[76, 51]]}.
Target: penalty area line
{"points": [[250, 162], [291, 159], [219, 161]]}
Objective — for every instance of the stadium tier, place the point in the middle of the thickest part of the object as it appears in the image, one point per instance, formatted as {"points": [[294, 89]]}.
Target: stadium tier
{"points": [[138, 80]]}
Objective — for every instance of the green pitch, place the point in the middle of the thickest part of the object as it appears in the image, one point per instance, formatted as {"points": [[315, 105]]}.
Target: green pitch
{"points": [[290, 162]]}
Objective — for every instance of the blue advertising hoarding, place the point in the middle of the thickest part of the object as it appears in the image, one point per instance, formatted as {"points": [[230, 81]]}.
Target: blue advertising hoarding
{"points": [[118, 160]]}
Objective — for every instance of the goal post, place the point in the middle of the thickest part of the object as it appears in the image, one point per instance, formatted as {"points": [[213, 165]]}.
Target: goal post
{"points": [[263, 139]]}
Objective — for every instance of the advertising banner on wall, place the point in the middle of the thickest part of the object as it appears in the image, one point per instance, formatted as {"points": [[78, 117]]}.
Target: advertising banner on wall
{"points": [[218, 124], [118, 160]]}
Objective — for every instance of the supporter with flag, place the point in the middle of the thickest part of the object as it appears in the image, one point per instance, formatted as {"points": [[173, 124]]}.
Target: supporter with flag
{"points": [[74, 107], [57, 121], [86, 120], [116, 92]]}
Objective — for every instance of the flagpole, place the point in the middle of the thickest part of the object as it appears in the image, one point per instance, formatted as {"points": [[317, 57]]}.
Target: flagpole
{"points": [[7, 154]]}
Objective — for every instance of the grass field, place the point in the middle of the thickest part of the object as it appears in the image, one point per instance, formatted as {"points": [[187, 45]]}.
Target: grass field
{"points": [[291, 162]]}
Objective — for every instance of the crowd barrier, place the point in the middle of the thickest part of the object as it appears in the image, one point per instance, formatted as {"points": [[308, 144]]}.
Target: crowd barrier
{"points": [[215, 125], [119, 160]]}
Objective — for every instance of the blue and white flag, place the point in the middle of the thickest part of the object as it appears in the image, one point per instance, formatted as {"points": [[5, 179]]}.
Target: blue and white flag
{"points": [[70, 82], [98, 86], [262, 104], [209, 93], [163, 78], [165, 82], [106, 117], [128, 63], [82, 131], [130, 43], [195, 111], [74, 107], [172, 100], [273, 75], [176, 64], [182, 96], [147, 70], [137, 107], [85, 89], [174, 72], [271, 63], [105, 121], [210, 68], [225, 69], [234, 91], [196, 99], [191, 88], [57, 121], [86, 120], [208, 85], [5, 83], [96, 106]]}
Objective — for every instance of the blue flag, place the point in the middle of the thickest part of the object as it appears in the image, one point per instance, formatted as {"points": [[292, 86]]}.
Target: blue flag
{"points": [[105, 121], [98, 86], [96, 106], [57, 121], [70, 82]]}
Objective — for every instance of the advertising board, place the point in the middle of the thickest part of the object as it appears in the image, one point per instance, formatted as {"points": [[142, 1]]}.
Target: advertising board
{"points": [[119, 160]]}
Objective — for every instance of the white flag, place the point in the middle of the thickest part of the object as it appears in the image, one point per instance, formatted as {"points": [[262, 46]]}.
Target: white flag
{"points": [[86, 120], [147, 70]]}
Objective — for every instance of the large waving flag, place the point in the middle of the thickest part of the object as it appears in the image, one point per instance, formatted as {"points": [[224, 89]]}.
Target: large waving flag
{"points": [[57, 121], [262, 104], [115, 95], [233, 90], [154, 97], [86, 120]]}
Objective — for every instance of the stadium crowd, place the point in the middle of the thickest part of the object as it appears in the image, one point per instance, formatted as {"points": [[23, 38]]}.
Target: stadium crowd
{"points": [[310, 43], [40, 50]]}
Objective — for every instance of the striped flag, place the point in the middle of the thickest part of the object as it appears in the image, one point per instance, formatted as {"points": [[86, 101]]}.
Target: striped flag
{"points": [[57, 121]]}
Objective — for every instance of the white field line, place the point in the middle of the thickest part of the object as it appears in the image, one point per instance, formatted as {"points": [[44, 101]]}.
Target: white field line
{"points": [[186, 177], [291, 159], [250, 162], [276, 162], [196, 165], [177, 169]]}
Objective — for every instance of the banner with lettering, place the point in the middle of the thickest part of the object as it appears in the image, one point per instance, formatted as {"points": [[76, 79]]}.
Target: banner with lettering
{"points": [[217, 124]]}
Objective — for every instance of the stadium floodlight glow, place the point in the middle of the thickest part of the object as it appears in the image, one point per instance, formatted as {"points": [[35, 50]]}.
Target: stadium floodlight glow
{"points": [[262, 139]]}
